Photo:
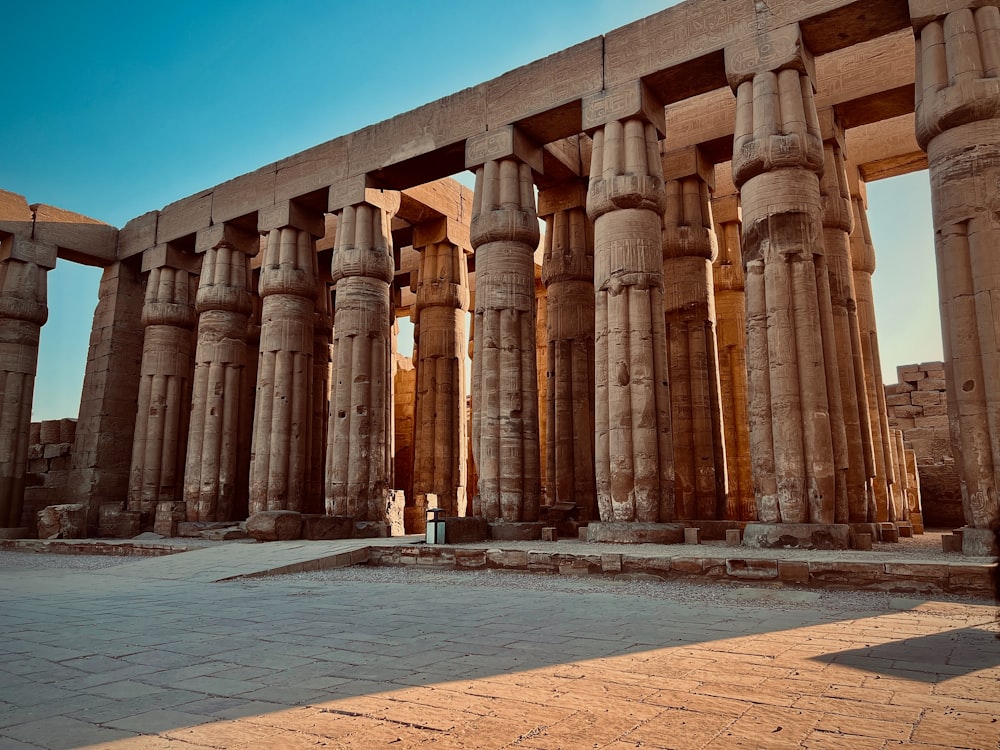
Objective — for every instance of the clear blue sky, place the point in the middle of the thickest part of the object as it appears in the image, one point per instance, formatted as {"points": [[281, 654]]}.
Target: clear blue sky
{"points": [[113, 109]]}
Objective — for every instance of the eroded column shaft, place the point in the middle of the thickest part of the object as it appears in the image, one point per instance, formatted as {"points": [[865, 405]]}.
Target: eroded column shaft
{"points": [[359, 451], [441, 439], [568, 275], [958, 124], [633, 450], [223, 305], [692, 350], [23, 311], [161, 425], [283, 410], [504, 233]]}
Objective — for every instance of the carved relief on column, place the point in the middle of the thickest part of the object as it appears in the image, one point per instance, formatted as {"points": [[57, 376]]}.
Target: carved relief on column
{"points": [[504, 233], [568, 275], [441, 439], [958, 124], [853, 448], [224, 305], [161, 424], [359, 448], [23, 311], [777, 156], [283, 408], [633, 451], [730, 309], [863, 266], [689, 248]]}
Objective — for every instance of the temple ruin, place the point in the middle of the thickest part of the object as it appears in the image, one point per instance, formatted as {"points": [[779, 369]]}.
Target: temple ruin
{"points": [[690, 340]]}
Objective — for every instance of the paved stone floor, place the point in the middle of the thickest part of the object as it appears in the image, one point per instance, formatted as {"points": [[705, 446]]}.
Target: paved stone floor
{"points": [[126, 658]]}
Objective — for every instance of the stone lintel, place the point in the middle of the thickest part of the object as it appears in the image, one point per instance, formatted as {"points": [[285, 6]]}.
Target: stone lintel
{"points": [[14, 247], [562, 197], [167, 254], [627, 101], [726, 208], [138, 235], [290, 214], [16, 217], [245, 241], [922, 12], [830, 128], [244, 194], [688, 162], [771, 50], [886, 148], [502, 143], [184, 217], [442, 230]]}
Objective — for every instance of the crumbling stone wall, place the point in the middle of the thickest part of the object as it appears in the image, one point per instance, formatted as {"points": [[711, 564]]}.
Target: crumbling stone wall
{"points": [[50, 451], [918, 406]]}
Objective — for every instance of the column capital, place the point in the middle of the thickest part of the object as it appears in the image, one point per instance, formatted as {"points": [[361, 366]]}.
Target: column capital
{"points": [[442, 230], [922, 12], [15, 247], [227, 235], [628, 101], [688, 162], [356, 190], [772, 50], [503, 143], [168, 255], [562, 197], [291, 214]]}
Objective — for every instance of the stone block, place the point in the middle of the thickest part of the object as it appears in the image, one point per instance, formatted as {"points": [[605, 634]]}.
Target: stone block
{"points": [[888, 533], [49, 431], [510, 532], [611, 563], [971, 579], [507, 558], [54, 450], [905, 530], [861, 574], [751, 569], [926, 398], [317, 527], [370, 529], [979, 542], [62, 522], [917, 519], [614, 532], [228, 534], [469, 558], [579, 566], [692, 536], [275, 525], [713, 530], [930, 383], [793, 571], [168, 515], [466, 529], [801, 535], [951, 543], [115, 522], [549, 534], [733, 538], [861, 542], [543, 562]]}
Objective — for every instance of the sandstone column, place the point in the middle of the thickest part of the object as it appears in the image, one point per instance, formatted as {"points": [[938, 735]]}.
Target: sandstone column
{"points": [[689, 248], [283, 409], [568, 275], [161, 426], [23, 267], [730, 305], [778, 154], [359, 449], [625, 200], [504, 234], [224, 305], [441, 440], [856, 457], [863, 266], [958, 124]]}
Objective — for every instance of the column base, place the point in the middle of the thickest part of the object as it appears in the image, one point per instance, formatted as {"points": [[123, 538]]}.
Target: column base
{"points": [[629, 532], [800, 535], [714, 530], [20, 532], [979, 543], [521, 531]]}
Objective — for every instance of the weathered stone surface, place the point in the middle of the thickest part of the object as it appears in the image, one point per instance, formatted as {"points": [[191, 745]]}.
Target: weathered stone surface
{"points": [[750, 569], [979, 542], [274, 525], [635, 532], [515, 530], [804, 535], [467, 529], [62, 522], [327, 527]]}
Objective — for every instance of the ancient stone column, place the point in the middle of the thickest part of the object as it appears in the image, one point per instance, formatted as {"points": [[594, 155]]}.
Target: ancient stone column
{"points": [[161, 426], [440, 450], [504, 233], [853, 447], [730, 309], [625, 200], [958, 124], [777, 157], [692, 351], [23, 267], [863, 266], [359, 448], [224, 305], [568, 275], [283, 409]]}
